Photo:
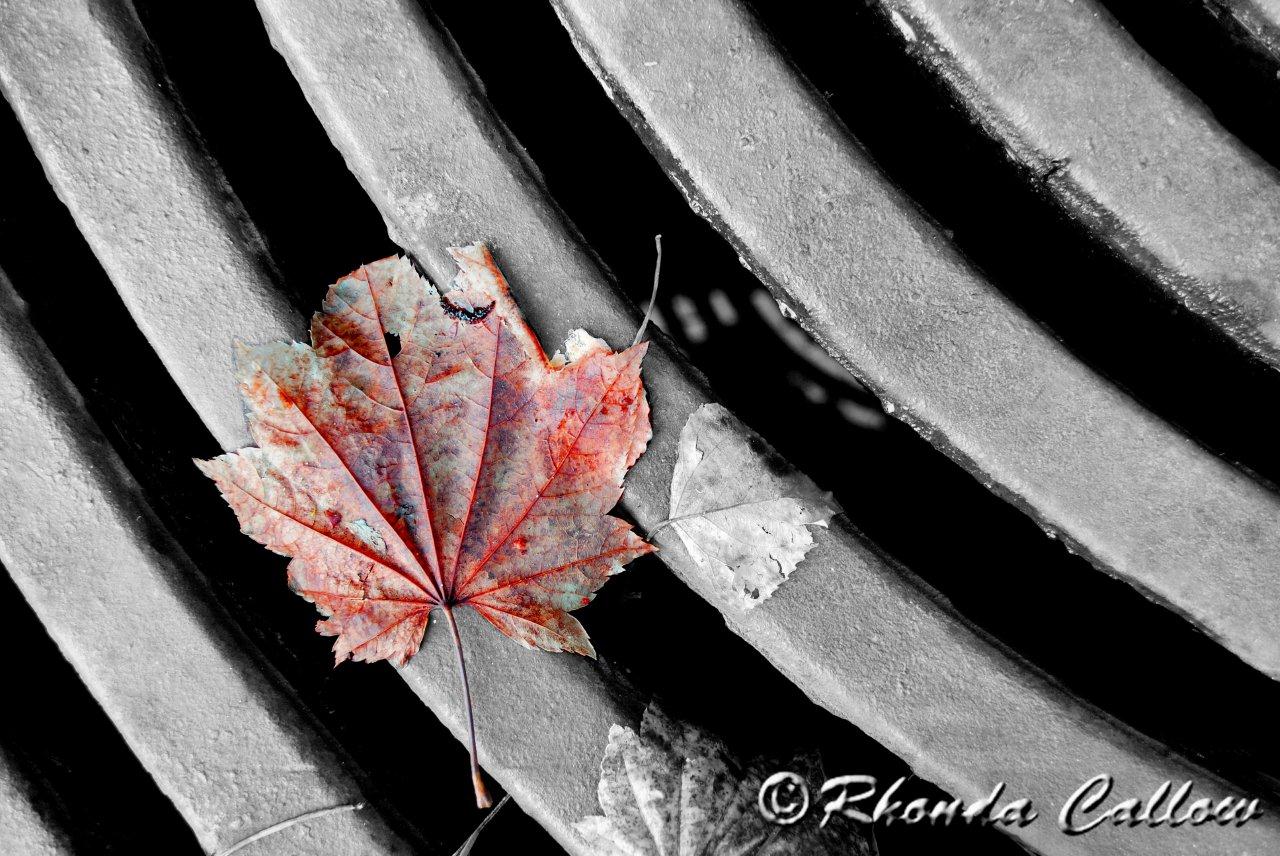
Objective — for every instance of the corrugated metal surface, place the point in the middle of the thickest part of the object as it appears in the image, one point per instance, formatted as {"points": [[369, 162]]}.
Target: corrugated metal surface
{"points": [[756, 151]]}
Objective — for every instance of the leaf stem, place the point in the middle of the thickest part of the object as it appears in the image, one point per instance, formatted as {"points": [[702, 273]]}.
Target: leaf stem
{"points": [[482, 794], [682, 517], [653, 298]]}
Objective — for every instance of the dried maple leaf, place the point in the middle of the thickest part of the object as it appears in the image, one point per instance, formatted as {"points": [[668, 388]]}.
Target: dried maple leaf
{"points": [[461, 468], [751, 533]]}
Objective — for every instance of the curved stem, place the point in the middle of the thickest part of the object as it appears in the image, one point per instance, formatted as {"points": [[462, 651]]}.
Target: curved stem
{"points": [[482, 794], [653, 298], [293, 821]]}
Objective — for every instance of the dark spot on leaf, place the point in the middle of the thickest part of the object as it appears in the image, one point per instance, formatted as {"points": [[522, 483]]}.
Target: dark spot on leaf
{"points": [[393, 343], [462, 313]]}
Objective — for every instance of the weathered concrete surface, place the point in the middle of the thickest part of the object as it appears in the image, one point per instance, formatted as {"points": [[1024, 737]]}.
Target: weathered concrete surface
{"points": [[1118, 142], [121, 601], [1255, 27], [760, 156], [23, 830], [188, 264], [122, 158], [861, 637], [1254, 23]]}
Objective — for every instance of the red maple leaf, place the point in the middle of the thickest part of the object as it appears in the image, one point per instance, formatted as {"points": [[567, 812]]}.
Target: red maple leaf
{"points": [[464, 469]]}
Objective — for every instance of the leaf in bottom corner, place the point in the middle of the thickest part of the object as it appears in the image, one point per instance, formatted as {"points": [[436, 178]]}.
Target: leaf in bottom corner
{"points": [[749, 531], [672, 790]]}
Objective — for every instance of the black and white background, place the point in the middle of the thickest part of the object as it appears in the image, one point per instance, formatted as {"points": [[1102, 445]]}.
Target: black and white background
{"points": [[1103, 641]]}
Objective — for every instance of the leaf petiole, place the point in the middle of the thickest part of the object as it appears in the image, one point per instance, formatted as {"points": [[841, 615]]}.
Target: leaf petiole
{"points": [[653, 298], [483, 799]]}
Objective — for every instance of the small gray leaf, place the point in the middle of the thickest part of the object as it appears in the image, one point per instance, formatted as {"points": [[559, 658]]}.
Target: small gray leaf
{"points": [[749, 532]]}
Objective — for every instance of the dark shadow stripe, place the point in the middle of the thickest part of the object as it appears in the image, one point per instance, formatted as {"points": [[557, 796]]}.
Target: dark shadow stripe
{"points": [[1005, 210], [87, 780], [990, 560], [130, 395]]}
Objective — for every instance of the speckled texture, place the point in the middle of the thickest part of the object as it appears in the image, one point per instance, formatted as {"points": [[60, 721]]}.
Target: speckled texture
{"points": [[1260, 19], [1120, 143], [859, 636], [758, 154], [123, 604], [186, 261], [752, 533], [442, 177], [124, 161], [469, 470], [671, 789], [23, 829], [1270, 8]]}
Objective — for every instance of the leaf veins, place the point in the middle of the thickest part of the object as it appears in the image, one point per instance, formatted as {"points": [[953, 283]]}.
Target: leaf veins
{"points": [[464, 469]]}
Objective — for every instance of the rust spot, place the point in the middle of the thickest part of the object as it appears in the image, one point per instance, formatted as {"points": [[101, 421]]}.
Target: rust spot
{"points": [[521, 543], [471, 316]]}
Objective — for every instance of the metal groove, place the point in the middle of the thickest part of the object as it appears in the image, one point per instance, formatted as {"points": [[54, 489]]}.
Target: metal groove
{"points": [[25, 829], [122, 158], [84, 779], [161, 224], [377, 79], [1254, 24], [79, 79], [1120, 145], [948, 354], [861, 636], [1226, 52], [220, 740], [979, 549]]}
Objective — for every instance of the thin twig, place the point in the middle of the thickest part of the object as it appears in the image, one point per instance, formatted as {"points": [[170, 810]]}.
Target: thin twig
{"points": [[483, 800], [285, 824], [465, 849], [653, 298]]}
